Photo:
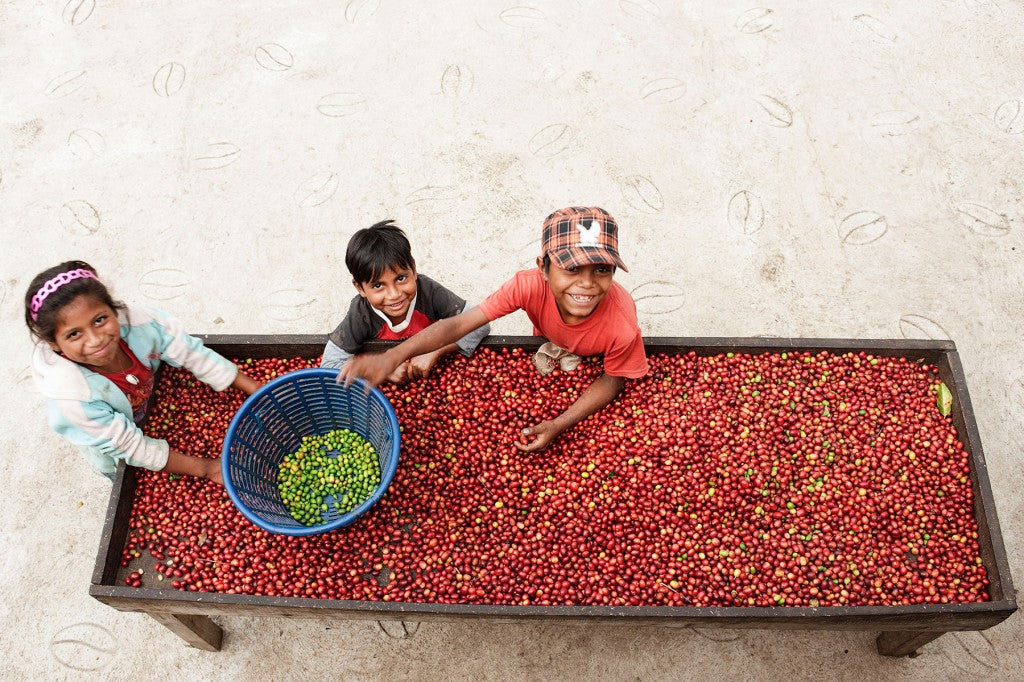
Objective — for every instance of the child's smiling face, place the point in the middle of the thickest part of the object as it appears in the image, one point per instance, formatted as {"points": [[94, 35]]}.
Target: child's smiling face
{"points": [[391, 293], [88, 333], [578, 290]]}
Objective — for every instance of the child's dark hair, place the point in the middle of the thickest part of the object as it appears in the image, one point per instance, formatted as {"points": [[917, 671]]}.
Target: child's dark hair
{"points": [[44, 326], [374, 249]]}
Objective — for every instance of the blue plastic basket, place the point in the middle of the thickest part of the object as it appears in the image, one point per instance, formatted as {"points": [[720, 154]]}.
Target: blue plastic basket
{"points": [[271, 424]]}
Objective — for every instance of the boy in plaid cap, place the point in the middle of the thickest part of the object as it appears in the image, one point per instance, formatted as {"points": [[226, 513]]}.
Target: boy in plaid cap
{"points": [[573, 302]]}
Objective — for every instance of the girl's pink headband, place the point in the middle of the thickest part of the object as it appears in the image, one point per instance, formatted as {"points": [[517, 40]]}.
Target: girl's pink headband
{"points": [[56, 283]]}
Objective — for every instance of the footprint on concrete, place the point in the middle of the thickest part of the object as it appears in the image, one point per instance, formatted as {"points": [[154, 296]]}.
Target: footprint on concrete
{"points": [[755, 20], [552, 140], [522, 16], [745, 212], [1017, 391], [86, 143], [164, 284], [273, 57], [1009, 117], [776, 112], [398, 629], [862, 227], [432, 194], [79, 217], [24, 380], [893, 123], [65, 84], [360, 10], [878, 29], [920, 327], [217, 155], [288, 305], [658, 297], [640, 9], [551, 72], [168, 79], [642, 194], [457, 80], [663, 90], [83, 647], [77, 12], [971, 652], [316, 189], [341, 104], [982, 219]]}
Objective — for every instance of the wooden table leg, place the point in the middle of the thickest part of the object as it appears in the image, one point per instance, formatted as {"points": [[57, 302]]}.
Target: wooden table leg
{"points": [[906, 643], [197, 631]]}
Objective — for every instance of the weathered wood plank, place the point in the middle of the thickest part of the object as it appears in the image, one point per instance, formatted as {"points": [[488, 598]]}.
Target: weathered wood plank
{"points": [[945, 617], [197, 631], [894, 643]]}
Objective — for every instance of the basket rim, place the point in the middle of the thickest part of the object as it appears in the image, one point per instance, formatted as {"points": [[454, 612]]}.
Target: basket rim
{"points": [[373, 393]]}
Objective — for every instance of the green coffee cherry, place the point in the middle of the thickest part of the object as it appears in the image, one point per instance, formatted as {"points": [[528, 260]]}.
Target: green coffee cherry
{"points": [[329, 475]]}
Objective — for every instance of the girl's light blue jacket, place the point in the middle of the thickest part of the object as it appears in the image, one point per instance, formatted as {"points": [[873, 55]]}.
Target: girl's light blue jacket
{"points": [[91, 412]]}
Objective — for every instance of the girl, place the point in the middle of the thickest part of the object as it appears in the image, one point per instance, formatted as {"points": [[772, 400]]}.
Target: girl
{"points": [[95, 360]]}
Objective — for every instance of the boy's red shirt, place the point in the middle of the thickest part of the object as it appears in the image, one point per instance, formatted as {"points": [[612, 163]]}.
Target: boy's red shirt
{"points": [[611, 330], [419, 322]]}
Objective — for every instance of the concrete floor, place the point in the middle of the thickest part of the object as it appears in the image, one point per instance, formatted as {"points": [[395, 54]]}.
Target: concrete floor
{"points": [[849, 170]]}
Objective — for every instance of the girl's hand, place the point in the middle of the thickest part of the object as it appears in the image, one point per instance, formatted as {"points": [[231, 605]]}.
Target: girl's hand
{"points": [[214, 472], [200, 467], [245, 383], [542, 435]]}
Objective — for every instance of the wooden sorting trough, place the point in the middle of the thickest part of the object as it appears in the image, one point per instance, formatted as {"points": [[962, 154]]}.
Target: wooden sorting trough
{"points": [[903, 629]]}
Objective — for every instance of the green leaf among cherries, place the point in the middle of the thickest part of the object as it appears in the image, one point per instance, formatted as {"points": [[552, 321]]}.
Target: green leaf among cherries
{"points": [[944, 399]]}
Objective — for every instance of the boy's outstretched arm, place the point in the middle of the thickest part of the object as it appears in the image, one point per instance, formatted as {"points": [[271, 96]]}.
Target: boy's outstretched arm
{"points": [[375, 367], [598, 394], [421, 365]]}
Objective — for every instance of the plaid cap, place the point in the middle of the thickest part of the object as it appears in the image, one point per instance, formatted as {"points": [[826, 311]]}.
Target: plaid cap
{"points": [[577, 236]]}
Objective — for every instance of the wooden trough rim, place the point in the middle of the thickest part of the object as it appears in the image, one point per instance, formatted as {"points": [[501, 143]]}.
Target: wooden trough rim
{"points": [[942, 353], [924, 617], [722, 344]]}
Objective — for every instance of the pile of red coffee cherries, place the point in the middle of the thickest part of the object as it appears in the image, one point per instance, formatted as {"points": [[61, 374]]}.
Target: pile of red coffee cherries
{"points": [[780, 479]]}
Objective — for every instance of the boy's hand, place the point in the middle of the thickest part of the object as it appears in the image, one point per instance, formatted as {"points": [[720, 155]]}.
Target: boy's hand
{"points": [[375, 368], [421, 365], [542, 435], [400, 375], [597, 395]]}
